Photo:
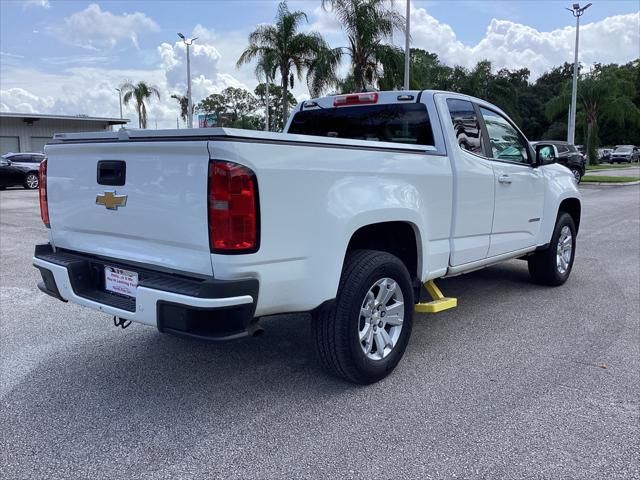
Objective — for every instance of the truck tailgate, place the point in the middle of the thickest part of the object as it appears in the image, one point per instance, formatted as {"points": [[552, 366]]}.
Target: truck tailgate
{"points": [[164, 221]]}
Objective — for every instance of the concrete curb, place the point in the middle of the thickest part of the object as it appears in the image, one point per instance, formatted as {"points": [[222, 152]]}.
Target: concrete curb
{"points": [[611, 184]]}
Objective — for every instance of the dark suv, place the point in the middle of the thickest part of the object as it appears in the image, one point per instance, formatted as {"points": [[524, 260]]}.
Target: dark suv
{"points": [[20, 169], [567, 155]]}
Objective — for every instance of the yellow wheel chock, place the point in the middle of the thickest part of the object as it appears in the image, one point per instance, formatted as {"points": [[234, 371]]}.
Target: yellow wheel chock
{"points": [[438, 303]]}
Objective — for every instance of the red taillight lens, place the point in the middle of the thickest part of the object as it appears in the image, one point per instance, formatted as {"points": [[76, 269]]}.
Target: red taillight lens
{"points": [[42, 193], [355, 99], [233, 208]]}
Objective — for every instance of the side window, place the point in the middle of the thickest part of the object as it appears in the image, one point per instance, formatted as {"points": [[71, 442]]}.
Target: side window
{"points": [[562, 148], [506, 142], [465, 125]]}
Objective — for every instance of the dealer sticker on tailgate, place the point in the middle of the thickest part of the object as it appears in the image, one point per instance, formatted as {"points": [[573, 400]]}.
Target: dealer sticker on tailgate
{"points": [[120, 281]]}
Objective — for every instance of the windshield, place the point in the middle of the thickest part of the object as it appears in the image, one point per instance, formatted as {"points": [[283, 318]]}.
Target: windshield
{"points": [[623, 149], [398, 123]]}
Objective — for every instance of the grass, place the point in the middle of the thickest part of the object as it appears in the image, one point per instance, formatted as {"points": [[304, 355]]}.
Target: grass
{"points": [[610, 166], [608, 179]]}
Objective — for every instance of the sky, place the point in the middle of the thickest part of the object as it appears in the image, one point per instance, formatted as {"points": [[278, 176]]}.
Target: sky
{"points": [[67, 57]]}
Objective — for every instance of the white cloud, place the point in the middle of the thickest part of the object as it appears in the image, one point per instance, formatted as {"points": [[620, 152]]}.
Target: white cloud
{"points": [[37, 3], [94, 28], [206, 74], [508, 44], [10, 55]]}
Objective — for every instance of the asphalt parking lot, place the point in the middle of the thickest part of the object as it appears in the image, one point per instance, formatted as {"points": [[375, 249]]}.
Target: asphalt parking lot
{"points": [[520, 381]]}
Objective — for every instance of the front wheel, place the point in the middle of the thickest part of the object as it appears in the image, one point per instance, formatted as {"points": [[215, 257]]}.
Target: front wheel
{"points": [[364, 334], [31, 181], [552, 266]]}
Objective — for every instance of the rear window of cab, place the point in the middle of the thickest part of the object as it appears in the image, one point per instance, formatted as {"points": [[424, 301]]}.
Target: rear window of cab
{"points": [[396, 123]]}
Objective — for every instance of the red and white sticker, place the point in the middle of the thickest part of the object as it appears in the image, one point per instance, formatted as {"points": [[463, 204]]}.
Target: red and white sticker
{"points": [[120, 281]]}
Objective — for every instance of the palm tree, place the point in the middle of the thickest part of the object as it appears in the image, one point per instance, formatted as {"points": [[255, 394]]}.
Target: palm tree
{"points": [[281, 48], [367, 24], [602, 97], [140, 92], [183, 101], [322, 70]]}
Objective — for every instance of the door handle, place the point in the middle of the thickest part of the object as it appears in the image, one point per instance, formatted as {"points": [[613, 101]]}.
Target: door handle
{"points": [[504, 179]]}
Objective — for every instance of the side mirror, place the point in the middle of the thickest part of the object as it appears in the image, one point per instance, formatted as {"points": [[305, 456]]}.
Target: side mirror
{"points": [[545, 154], [5, 162]]}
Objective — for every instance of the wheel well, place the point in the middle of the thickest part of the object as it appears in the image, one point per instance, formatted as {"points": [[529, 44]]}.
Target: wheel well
{"points": [[396, 238], [573, 208]]}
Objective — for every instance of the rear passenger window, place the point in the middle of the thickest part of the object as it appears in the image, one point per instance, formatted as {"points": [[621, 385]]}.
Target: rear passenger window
{"points": [[465, 125]]}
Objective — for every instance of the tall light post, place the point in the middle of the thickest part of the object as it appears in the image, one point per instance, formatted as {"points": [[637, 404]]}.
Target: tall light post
{"points": [[406, 47], [188, 42], [266, 98], [120, 98], [577, 12]]}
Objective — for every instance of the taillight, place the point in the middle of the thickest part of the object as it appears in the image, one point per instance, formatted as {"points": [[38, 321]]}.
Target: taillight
{"points": [[233, 208], [42, 193], [355, 99]]}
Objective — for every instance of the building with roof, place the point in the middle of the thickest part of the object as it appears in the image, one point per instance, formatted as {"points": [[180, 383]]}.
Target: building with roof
{"points": [[29, 132]]}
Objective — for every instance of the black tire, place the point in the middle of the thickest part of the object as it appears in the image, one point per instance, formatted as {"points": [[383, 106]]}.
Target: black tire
{"points": [[543, 266], [29, 179], [335, 329], [577, 174]]}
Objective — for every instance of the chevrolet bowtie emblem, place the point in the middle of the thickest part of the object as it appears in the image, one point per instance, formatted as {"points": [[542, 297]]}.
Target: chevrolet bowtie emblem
{"points": [[111, 200]]}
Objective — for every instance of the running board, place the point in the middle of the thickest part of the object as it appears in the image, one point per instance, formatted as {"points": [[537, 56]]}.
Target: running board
{"points": [[438, 303]]}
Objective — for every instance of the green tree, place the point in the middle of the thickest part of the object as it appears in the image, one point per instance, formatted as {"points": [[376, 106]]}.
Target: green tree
{"points": [[427, 72], [368, 24], [276, 120], [140, 93], [234, 107], [183, 102], [603, 97], [281, 48]]}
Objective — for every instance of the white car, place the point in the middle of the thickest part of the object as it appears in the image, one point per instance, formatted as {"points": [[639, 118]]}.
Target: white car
{"points": [[368, 196]]}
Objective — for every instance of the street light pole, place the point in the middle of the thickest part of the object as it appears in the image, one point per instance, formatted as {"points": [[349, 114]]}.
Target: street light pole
{"points": [[577, 12], [266, 97], [406, 47], [120, 98], [188, 43]]}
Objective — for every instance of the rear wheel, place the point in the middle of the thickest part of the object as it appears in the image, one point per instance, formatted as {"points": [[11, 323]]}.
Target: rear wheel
{"points": [[31, 181], [552, 266], [363, 336], [577, 174]]}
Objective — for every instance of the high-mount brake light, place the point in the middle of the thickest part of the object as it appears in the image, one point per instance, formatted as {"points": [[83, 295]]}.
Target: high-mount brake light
{"points": [[42, 193], [233, 208], [355, 99]]}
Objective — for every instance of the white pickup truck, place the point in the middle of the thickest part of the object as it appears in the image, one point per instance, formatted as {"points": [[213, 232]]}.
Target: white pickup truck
{"points": [[367, 196]]}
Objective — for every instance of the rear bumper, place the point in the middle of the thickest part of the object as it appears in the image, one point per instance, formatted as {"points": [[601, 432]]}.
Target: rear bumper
{"points": [[202, 308]]}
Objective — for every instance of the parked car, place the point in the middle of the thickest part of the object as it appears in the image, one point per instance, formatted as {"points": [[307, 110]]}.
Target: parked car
{"points": [[567, 155], [625, 153], [20, 169], [367, 196], [604, 154]]}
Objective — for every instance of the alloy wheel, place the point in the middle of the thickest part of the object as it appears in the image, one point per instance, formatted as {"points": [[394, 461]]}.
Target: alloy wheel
{"points": [[564, 250], [381, 318]]}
